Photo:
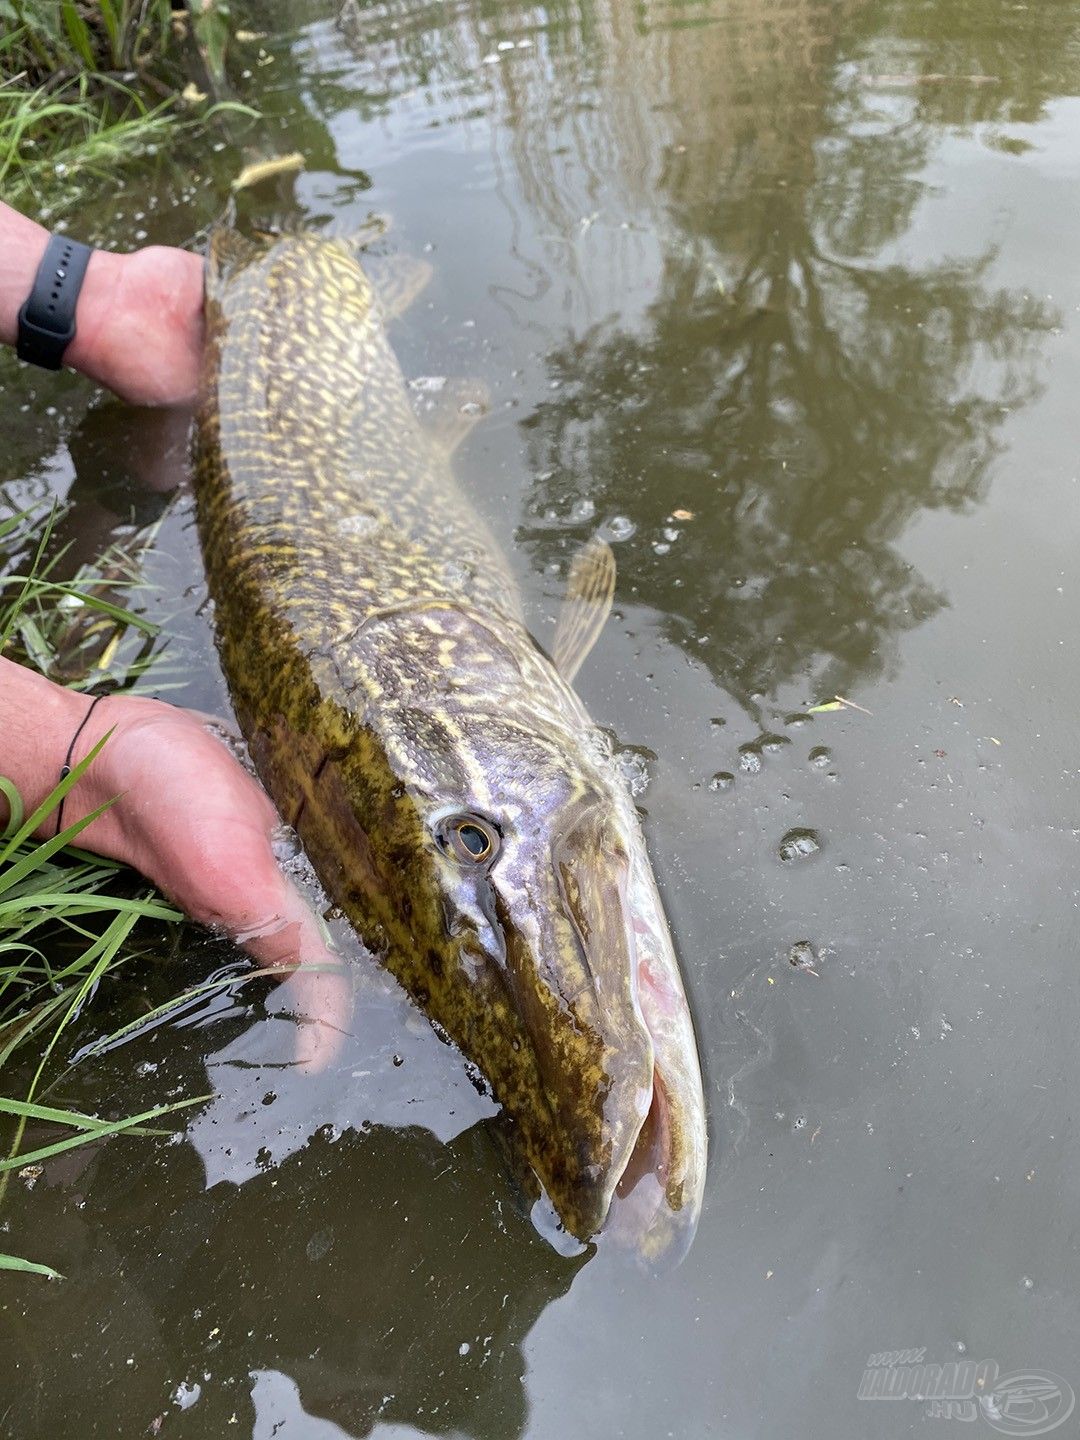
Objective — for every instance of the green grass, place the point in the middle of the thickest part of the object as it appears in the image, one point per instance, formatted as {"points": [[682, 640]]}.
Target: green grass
{"points": [[44, 37], [80, 632], [52, 144], [88, 85], [67, 918], [65, 922]]}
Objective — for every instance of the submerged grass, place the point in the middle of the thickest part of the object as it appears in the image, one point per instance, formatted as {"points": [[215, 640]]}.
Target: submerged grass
{"points": [[67, 917]]}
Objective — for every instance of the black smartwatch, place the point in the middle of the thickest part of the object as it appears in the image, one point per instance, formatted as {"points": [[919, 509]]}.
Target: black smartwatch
{"points": [[47, 318]]}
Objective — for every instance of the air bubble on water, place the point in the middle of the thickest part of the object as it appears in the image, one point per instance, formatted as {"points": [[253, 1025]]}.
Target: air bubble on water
{"points": [[798, 718], [803, 955], [601, 744], [362, 523], [717, 722], [505, 45], [722, 780], [285, 843], [618, 527], [799, 845], [582, 510], [1027, 1282], [670, 534], [458, 573], [660, 547], [320, 1244], [773, 743], [820, 756], [146, 1067], [750, 759], [464, 1348], [632, 763]]}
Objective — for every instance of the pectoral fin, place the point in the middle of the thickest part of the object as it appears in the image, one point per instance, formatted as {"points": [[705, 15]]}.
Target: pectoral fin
{"points": [[589, 593], [450, 409], [398, 280]]}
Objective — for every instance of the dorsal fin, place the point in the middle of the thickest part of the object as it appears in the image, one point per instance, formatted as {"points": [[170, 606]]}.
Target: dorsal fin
{"points": [[590, 590]]}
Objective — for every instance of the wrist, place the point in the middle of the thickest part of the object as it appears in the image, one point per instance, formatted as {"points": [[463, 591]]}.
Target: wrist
{"points": [[95, 313], [22, 246], [34, 749]]}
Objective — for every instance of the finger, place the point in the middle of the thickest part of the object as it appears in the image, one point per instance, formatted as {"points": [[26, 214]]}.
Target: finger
{"points": [[315, 978], [236, 886], [322, 999]]}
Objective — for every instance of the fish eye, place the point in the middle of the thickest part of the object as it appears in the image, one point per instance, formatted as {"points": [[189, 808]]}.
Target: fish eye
{"points": [[468, 838]]}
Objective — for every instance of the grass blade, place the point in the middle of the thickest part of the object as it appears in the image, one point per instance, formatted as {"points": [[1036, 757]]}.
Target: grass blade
{"points": [[28, 1267], [78, 33], [115, 1127], [74, 1118]]}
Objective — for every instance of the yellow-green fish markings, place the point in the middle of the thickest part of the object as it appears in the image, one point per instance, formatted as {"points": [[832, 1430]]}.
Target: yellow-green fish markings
{"points": [[450, 789]]}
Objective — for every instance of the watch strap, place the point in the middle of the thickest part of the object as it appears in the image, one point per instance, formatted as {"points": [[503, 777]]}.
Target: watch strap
{"points": [[47, 318]]}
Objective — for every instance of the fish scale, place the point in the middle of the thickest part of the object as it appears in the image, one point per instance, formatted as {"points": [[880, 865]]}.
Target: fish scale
{"points": [[319, 428]]}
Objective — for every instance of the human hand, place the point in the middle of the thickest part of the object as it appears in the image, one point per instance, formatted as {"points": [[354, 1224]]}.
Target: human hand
{"points": [[139, 325], [193, 821], [139, 317]]}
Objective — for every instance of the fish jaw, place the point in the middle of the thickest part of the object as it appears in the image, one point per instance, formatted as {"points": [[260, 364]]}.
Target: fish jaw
{"points": [[659, 1197], [632, 1108]]}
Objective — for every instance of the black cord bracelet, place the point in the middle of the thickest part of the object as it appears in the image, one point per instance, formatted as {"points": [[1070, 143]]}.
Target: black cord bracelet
{"points": [[47, 318], [65, 770]]}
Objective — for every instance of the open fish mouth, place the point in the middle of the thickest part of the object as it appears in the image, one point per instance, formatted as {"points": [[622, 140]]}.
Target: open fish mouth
{"points": [[642, 1216], [656, 1201]]}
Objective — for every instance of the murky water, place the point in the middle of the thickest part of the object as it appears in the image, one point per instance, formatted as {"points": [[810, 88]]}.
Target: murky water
{"points": [[785, 298]]}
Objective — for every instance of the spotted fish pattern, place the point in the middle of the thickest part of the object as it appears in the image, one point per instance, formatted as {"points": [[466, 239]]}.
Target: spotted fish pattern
{"points": [[381, 672]]}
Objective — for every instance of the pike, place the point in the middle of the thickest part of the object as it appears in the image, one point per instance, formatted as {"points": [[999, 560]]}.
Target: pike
{"points": [[449, 787]]}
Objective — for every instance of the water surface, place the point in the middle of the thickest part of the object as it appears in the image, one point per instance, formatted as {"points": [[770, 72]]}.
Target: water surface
{"points": [[784, 299]]}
